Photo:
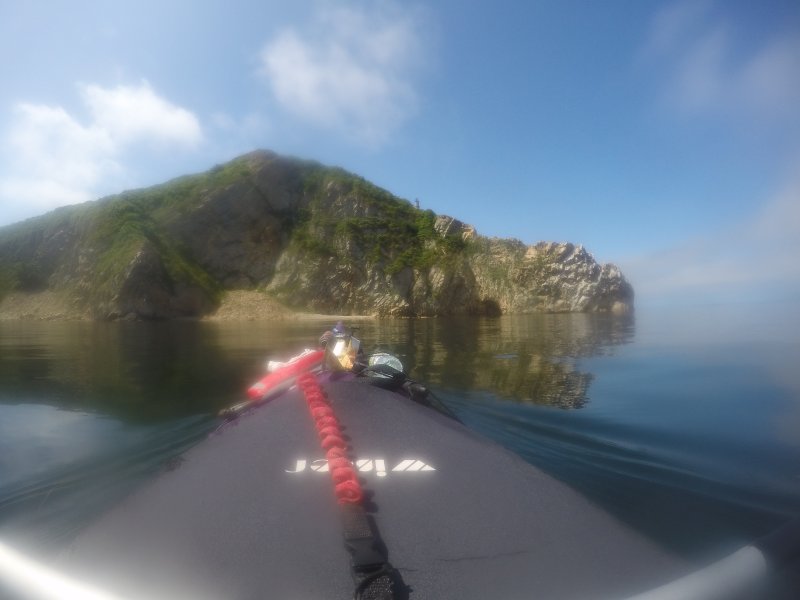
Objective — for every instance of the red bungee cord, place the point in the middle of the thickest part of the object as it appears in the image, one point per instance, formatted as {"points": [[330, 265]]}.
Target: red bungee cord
{"points": [[346, 486]]}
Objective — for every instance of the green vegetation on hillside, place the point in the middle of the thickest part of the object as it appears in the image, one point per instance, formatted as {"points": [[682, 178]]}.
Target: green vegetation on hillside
{"points": [[309, 234], [178, 197], [390, 232], [337, 215], [8, 280], [119, 232], [30, 251], [110, 233]]}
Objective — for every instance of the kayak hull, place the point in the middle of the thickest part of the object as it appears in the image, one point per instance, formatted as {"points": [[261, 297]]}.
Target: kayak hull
{"points": [[250, 513]]}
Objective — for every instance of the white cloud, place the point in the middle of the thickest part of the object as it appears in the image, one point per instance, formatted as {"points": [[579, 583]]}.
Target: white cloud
{"points": [[708, 71], [350, 71], [780, 218], [132, 114], [764, 85], [757, 257], [699, 83], [51, 158], [672, 24], [770, 80]]}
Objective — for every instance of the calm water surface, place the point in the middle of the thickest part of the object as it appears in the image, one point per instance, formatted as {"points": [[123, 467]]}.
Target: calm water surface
{"points": [[684, 423]]}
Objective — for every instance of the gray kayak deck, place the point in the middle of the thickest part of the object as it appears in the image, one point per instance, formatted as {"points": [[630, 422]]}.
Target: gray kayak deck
{"points": [[248, 514]]}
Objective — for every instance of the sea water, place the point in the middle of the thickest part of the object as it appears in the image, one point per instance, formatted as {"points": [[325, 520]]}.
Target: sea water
{"points": [[682, 422]]}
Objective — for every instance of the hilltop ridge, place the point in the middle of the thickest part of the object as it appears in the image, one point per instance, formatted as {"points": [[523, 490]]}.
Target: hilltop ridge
{"points": [[302, 234]]}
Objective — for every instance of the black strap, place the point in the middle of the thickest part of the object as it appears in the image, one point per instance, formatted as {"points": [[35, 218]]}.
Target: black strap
{"points": [[374, 576]]}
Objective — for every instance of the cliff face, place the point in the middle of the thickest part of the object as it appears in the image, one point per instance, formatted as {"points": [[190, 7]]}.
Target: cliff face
{"points": [[313, 237]]}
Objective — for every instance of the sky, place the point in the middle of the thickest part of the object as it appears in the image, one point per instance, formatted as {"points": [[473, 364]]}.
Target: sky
{"points": [[662, 136]]}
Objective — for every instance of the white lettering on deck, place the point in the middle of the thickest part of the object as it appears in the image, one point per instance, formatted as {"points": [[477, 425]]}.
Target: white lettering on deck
{"points": [[364, 465]]}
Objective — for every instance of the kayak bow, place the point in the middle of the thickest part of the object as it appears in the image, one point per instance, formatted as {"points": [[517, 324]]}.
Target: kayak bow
{"points": [[251, 513]]}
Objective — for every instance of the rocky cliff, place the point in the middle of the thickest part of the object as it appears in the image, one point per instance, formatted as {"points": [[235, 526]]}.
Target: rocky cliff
{"points": [[313, 237]]}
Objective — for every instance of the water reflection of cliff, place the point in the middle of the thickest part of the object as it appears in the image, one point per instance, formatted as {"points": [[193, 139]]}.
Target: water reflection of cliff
{"points": [[529, 358], [145, 371], [139, 371]]}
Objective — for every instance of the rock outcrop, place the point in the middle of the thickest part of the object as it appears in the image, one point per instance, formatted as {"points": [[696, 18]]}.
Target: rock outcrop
{"points": [[312, 237], [549, 277]]}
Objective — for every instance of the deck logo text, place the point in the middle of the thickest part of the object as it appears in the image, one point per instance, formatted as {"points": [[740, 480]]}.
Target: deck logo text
{"points": [[365, 465]]}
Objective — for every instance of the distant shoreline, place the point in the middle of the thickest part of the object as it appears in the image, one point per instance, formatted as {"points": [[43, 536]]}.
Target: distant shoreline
{"points": [[41, 306], [237, 305], [251, 305]]}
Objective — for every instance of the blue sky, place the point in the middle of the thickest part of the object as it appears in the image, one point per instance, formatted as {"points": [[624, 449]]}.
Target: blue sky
{"points": [[663, 136]]}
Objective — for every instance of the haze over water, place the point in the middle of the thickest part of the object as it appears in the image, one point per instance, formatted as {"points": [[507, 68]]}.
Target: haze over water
{"points": [[683, 422]]}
